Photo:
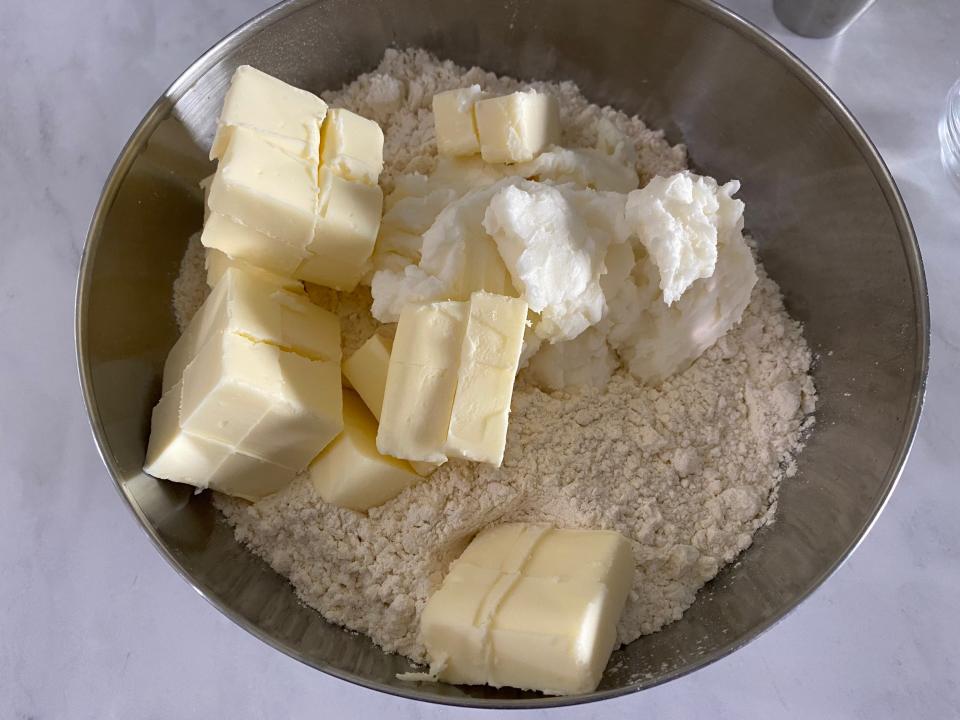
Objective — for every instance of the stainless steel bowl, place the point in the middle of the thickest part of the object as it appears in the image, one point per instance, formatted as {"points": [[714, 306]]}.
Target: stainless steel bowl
{"points": [[832, 230]]}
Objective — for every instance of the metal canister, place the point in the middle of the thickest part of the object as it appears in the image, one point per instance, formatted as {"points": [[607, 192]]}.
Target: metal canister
{"points": [[819, 18]]}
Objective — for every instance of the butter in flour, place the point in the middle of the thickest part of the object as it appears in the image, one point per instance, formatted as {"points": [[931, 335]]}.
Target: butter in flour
{"points": [[688, 471]]}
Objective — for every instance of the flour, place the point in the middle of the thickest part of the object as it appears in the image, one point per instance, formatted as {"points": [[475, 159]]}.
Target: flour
{"points": [[688, 471]]}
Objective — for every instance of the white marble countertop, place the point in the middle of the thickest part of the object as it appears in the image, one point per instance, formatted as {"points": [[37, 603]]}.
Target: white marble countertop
{"points": [[95, 624]]}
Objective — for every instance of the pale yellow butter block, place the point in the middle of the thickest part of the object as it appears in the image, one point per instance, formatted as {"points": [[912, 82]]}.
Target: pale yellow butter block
{"points": [[517, 127], [244, 243], [506, 548], [217, 263], [489, 357], [264, 309], [366, 370], [264, 401], [530, 607], [350, 472], [173, 454], [449, 627], [283, 114], [422, 381], [346, 229], [553, 637], [265, 188], [192, 338], [454, 121], [352, 146]]}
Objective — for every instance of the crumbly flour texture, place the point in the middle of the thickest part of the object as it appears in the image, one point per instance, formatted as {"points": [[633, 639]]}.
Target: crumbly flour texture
{"points": [[688, 470]]}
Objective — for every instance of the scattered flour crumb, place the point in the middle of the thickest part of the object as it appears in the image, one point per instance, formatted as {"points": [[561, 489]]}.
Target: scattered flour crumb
{"points": [[190, 288]]}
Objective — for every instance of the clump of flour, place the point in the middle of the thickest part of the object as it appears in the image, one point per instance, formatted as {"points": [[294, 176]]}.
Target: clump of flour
{"points": [[688, 470]]}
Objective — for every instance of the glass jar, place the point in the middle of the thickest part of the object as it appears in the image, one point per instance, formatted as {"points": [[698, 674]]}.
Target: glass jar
{"points": [[950, 135]]}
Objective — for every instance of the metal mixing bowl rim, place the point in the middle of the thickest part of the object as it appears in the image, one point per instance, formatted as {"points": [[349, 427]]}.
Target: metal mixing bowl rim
{"points": [[716, 13]]}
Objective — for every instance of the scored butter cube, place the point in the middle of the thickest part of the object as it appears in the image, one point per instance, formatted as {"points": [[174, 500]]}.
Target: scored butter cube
{"points": [[350, 472], [347, 223], [216, 263], [454, 121], [451, 627], [352, 146], [505, 548], [517, 127], [265, 188], [284, 115], [173, 454], [530, 607], [262, 309], [264, 401], [366, 371], [422, 381], [489, 357], [244, 243]]}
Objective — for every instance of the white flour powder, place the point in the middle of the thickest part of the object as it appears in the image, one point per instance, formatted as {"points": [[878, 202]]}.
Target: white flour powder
{"points": [[688, 471]]}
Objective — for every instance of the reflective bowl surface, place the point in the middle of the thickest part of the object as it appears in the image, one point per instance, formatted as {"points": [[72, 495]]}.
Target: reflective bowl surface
{"points": [[831, 227]]}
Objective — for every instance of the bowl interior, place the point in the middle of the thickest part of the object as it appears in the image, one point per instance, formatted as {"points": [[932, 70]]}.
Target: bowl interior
{"points": [[829, 222]]}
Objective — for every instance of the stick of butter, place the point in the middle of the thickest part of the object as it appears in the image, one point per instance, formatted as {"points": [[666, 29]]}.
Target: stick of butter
{"points": [[348, 219], [261, 371], [173, 454], [517, 127], [450, 379], [350, 472], [531, 607], [265, 188], [352, 146], [454, 121], [366, 371], [489, 357], [284, 115], [421, 381]]}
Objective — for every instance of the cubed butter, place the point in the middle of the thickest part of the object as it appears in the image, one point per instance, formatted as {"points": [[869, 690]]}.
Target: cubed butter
{"points": [[517, 127], [454, 121], [173, 454], [263, 309], [352, 146], [264, 401], [244, 243], [422, 381], [531, 607], [366, 370], [489, 357], [348, 220], [350, 472], [284, 115], [217, 263], [266, 188], [450, 379]]}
